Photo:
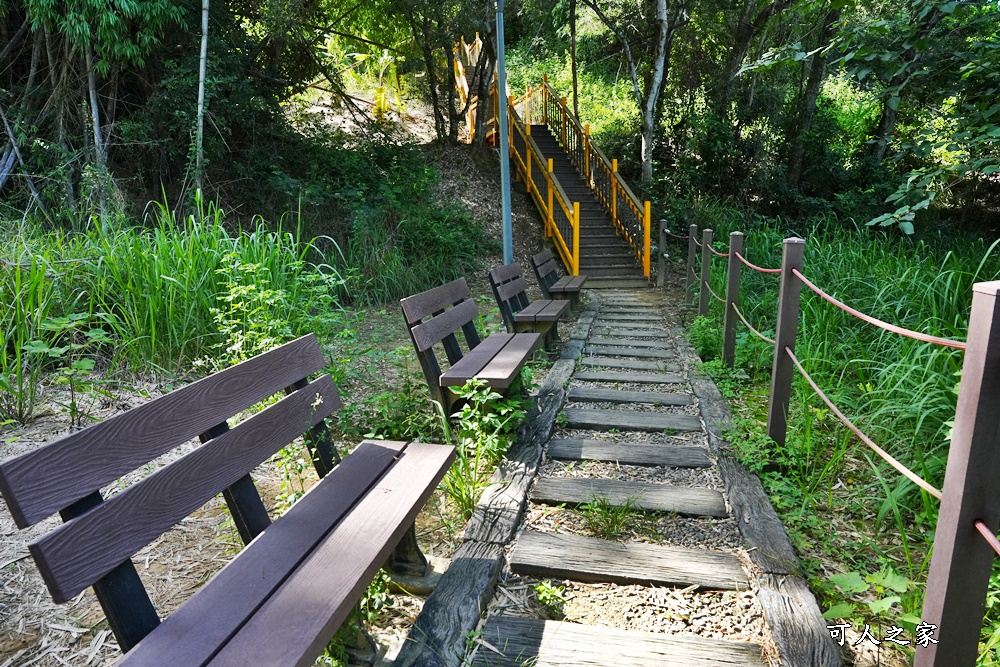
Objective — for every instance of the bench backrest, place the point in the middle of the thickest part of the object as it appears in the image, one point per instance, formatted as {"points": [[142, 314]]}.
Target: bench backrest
{"points": [[95, 544], [545, 266], [510, 290], [435, 316]]}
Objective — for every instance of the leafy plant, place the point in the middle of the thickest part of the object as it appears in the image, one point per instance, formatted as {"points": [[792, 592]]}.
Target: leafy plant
{"points": [[551, 597], [706, 337], [607, 519]]}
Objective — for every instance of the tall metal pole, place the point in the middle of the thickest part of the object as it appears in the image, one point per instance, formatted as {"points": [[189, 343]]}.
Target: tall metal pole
{"points": [[508, 231]]}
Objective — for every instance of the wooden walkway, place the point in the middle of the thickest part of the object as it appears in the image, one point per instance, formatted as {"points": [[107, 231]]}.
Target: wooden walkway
{"points": [[627, 393]]}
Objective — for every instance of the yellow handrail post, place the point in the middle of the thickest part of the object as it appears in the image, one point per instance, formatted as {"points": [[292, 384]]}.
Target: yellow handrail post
{"points": [[562, 100], [586, 153], [614, 192], [510, 123], [528, 159], [527, 109], [550, 218], [576, 238], [645, 222]]}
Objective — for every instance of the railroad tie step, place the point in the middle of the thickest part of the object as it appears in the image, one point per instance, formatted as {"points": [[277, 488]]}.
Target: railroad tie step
{"points": [[630, 420], [627, 453], [598, 395], [649, 497], [629, 317], [636, 332], [514, 642], [638, 378], [589, 559], [623, 342], [632, 364], [644, 352]]}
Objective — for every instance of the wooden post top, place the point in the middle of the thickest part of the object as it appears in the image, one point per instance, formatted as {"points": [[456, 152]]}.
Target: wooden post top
{"points": [[992, 288]]}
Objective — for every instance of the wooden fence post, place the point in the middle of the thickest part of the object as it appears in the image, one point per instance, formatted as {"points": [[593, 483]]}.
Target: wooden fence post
{"points": [[732, 299], [647, 224], [782, 369], [960, 567], [550, 218], [614, 191], [510, 124], [692, 257], [562, 107], [706, 271], [661, 256], [576, 238]]}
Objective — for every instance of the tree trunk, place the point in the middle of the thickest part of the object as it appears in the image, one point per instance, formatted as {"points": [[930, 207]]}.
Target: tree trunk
{"points": [[454, 117], [747, 29], [199, 169], [817, 71], [572, 58], [99, 154], [484, 105]]}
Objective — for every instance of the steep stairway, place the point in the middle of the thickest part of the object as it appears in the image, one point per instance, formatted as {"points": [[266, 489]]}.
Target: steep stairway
{"points": [[605, 256]]}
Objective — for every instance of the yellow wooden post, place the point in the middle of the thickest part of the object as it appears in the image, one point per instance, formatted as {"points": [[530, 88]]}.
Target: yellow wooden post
{"points": [[646, 224], [586, 153], [528, 159], [563, 105], [614, 192], [527, 109], [576, 238], [510, 124], [550, 217]]}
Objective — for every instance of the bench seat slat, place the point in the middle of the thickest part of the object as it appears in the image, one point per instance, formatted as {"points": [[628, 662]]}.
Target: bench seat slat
{"points": [[530, 312], [434, 330], [503, 369], [295, 624], [577, 282], [50, 478], [547, 268], [194, 632], [79, 552], [473, 362], [419, 306], [552, 311], [511, 289]]}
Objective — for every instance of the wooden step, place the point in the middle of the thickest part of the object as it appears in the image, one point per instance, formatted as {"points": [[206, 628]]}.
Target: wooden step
{"points": [[618, 282], [598, 395], [628, 317], [613, 330], [627, 453], [589, 559], [646, 353], [624, 342], [633, 364], [638, 378], [630, 420], [649, 497], [530, 641]]}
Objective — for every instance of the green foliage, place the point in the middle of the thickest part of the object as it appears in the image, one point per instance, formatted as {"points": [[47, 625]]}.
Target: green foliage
{"points": [[608, 519], [550, 596], [705, 335]]}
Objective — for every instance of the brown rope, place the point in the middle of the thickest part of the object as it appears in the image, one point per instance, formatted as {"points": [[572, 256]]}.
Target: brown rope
{"points": [[755, 267], [717, 253], [990, 538], [679, 238], [716, 296], [906, 472], [754, 331], [916, 335]]}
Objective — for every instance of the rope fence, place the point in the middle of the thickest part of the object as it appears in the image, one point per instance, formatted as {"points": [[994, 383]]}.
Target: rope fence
{"points": [[749, 326], [916, 335], [756, 268], [988, 535], [717, 253], [713, 294], [675, 236]]}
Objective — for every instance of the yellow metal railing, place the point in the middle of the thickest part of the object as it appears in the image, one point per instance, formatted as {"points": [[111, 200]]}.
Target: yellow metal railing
{"points": [[541, 105]]}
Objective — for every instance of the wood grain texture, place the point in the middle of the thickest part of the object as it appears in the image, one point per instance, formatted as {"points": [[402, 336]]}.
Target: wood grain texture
{"points": [[624, 342], [52, 477], [419, 306], [506, 272], [798, 627], [640, 378], [476, 359], [232, 596], [627, 453], [632, 364], [552, 310], [528, 641], [454, 609], [504, 368], [598, 395], [498, 513], [558, 376], [434, 330], [651, 497], [509, 290], [631, 332], [630, 420], [588, 559], [628, 317], [76, 554], [631, 310], [295, 624], [623, 349]]}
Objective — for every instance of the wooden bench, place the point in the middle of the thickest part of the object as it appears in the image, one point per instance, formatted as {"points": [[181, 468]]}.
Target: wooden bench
{"points": [[552, 285], [435, 316], [281, 600], [519, 314]]}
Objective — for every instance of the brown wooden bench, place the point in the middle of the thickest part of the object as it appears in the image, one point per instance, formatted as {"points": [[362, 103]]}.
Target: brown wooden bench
{"points": [[552, 285], [520, 314], [281, 600], [435, 316]]}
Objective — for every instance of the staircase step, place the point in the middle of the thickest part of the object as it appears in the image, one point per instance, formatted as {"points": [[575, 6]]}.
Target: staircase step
{"points": [[622, 342], [530, 641], [630, 420], [613, 281], [598, 395], [649, 497], [638, 378], [627, 453], [641, 332], [628, 317], [588, 559], [633, 364], [642, 352], [627, 309]]}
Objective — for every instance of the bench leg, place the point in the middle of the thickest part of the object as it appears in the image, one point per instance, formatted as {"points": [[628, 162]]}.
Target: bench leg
{"points": [[407, 558], [548, 330], [362, 650]]}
